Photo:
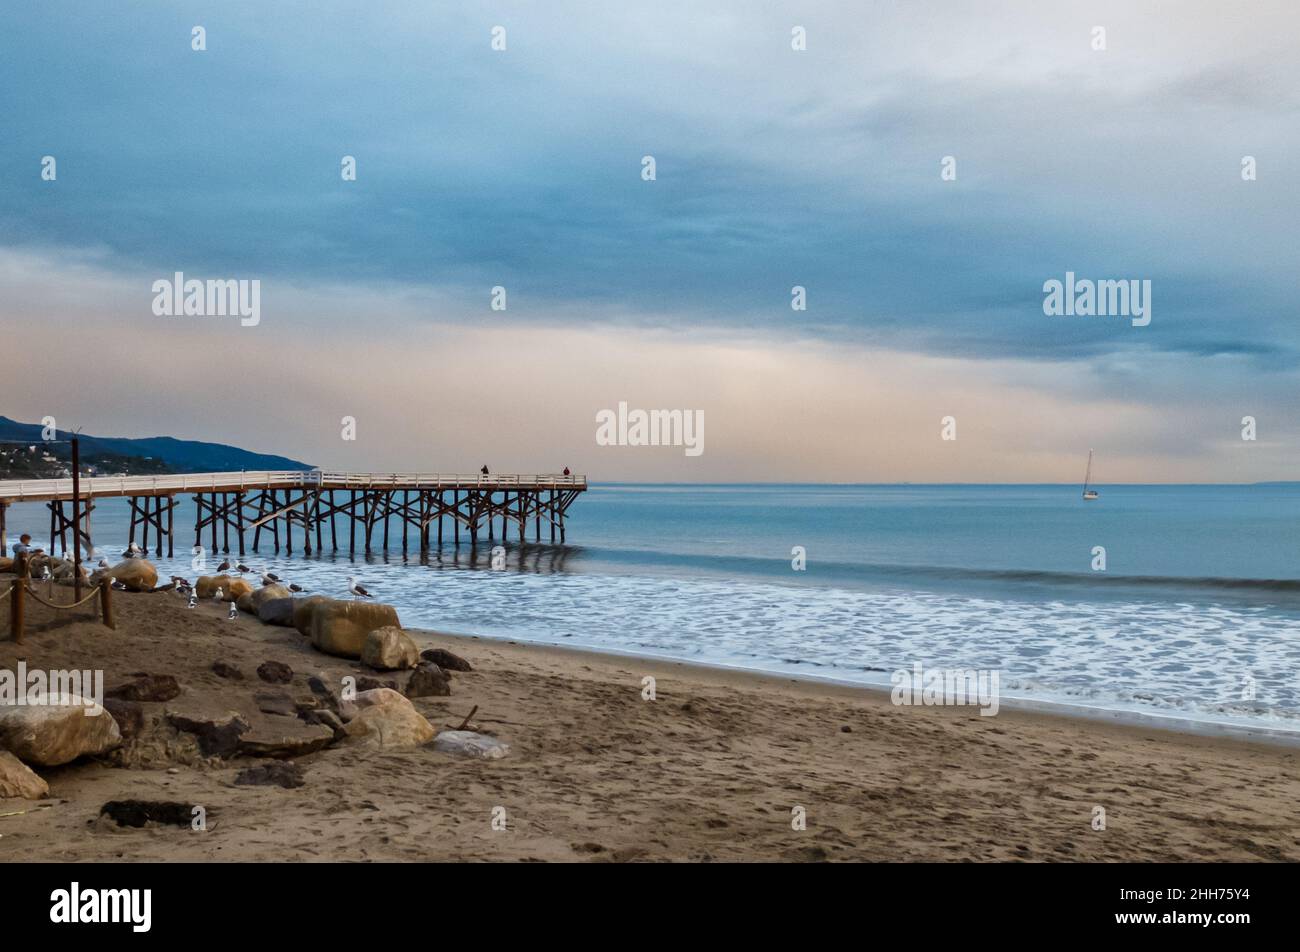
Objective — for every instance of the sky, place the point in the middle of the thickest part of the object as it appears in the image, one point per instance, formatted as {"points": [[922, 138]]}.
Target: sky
{"points": [[774, 168]]}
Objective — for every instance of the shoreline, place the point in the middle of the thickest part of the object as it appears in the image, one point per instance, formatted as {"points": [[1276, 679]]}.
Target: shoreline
{"points": [[717, 766], [1171, 723]]}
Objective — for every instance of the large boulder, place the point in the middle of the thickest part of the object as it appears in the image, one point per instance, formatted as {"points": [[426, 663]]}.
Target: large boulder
{"points": [[57, 732], [17, 779], [340, 627], [146, 687], [232, 587], [260, 596], [302, 609], [276, 611], [218, 736], [138, 575], [389, 649], [386, 719]]}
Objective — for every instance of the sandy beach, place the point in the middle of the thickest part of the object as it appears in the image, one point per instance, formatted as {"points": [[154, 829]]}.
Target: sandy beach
{"points": [[711, 769]]}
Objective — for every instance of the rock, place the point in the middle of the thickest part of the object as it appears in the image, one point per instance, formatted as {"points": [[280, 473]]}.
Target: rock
{"points": [[267, 593], [136, 813], [276, 702], [277, 774], [275, 672], [389, 649], [445, 659], [428, 680], [57, 732], [286, 741], [386, 719], [146, 687], [138, 575], [302, 609], [276, 611], [218, 736], [470, 744], [129, 716], [18, 780], [325, 718], [6, 564], [224, 669], [346, 710], [340, 627], [231, 587], [245, 604], [366, 682], [379, 697]]}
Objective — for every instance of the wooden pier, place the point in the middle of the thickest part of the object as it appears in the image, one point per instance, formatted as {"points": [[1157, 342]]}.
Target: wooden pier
{"points": [[366, 507]]}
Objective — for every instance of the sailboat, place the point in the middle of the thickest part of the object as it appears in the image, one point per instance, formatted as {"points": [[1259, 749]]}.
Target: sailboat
{"points": [[1087, 478]]}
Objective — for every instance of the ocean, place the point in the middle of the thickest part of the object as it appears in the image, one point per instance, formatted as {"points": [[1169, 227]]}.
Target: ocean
{"points": [[1196, 614]]}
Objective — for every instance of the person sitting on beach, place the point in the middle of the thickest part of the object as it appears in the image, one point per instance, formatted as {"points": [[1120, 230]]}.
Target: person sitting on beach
{"points": [[24, 546]]}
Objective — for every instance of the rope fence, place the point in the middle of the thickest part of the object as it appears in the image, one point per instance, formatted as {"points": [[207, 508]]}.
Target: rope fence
{"points": [[20, 589]]}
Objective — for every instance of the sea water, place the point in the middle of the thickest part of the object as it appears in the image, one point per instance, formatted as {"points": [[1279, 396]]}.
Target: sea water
{"points": [[1196, 614]]}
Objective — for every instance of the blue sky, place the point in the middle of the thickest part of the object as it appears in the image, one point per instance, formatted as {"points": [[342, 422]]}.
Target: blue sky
{"points": [[775, 168]]}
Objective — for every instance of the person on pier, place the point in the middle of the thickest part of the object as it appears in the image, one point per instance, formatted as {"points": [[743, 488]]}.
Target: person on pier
{"points": [[484, 470]]}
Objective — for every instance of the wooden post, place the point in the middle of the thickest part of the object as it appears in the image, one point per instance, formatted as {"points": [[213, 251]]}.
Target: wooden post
{"points": [[406, 516], [171, 515], [334, 531], [352, 525], [239, 521], [106, 602], [76, 519], [212, 506], [455, 505]]}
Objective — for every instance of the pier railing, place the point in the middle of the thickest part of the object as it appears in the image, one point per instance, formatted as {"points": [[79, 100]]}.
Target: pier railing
{"points": [[48, 490]]}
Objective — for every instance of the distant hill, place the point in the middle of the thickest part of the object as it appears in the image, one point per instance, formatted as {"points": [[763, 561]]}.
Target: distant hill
{"points": [[111, 455]]}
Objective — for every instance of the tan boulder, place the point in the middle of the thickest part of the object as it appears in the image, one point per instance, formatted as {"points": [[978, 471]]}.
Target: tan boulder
{"points": [[302, 609], [389, 649], [386, 719], [340, 627], [57, 732], [17, 779], [138, 575], [231, 587], [265, 594]]}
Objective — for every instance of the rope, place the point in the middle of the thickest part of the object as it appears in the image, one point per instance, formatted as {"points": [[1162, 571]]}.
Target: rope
{"points": [[94, 592]]}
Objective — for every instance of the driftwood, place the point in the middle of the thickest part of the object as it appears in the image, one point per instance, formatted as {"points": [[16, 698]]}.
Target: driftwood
{"points": [[465, 723]]}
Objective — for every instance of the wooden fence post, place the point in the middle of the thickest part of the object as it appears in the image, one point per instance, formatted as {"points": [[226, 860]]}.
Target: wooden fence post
{"points": [[106, 602]]}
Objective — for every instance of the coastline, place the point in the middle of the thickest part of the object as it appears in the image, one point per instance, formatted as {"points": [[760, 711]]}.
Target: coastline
{"points": [[713, 768]]}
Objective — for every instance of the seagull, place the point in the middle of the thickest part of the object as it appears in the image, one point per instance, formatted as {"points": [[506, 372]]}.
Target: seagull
{"points": [[224, 566], [133, 551], [356, 590], [233, 613], [115, 584], [241, 568], [269, 578], [218, 594], [45, 573], [103, 564], [295, 587], [194, 600]]}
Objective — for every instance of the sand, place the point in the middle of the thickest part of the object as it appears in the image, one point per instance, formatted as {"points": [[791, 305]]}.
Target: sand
{"points": [[711, 769]]}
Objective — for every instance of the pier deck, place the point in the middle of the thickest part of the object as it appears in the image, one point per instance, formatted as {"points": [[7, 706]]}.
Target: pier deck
{"points": [[242, 502]]}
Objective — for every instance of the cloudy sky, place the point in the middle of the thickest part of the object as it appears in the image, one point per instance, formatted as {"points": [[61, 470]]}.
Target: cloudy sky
{"points": [[775, 168]]}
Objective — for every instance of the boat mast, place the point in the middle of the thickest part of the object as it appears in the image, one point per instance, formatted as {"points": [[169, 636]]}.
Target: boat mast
{"points": [[1087, 476]]}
